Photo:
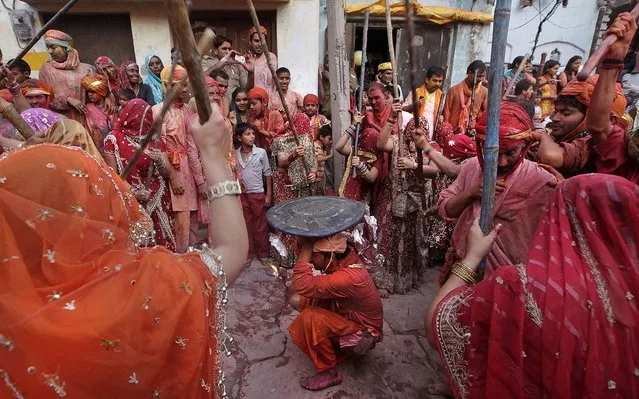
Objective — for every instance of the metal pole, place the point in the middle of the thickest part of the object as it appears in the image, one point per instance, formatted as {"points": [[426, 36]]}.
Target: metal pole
{"points": [[491, 146], [41, 32], [362, 74]]}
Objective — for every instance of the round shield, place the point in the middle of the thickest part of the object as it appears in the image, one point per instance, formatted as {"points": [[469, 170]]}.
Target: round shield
{"points": [[315, 216]]}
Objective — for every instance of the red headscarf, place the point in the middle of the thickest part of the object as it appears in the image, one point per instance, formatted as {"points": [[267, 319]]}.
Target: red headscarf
{"points": [[564, 325], [459, 147], [310, 99], [135, 118], [116, 83], [258, 93]]}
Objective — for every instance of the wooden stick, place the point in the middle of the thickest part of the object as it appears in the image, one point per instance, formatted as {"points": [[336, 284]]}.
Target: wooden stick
{"points": [[598, 55], [41, 32], [540, 71], [393, 59], [169, 98], [271, 67], [362, 75], [511, 85], [11, 114], [469, 126], [183, 35], [410, 24]]}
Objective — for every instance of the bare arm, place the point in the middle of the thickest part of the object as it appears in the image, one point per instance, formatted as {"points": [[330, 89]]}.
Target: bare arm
{"points": [[343, 145], [456, 206], [563, 80], [598, 117], [229, 238], [384, 143], [550, 153], [477, 247]]}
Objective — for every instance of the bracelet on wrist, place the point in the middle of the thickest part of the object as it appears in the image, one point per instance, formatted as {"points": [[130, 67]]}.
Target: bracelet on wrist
{"points": [[228, 187], [465, 273], [14, 90]]}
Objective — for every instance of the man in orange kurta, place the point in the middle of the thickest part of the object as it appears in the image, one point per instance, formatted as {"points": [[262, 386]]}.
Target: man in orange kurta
{"points": [[341, 311], [457, 108]]}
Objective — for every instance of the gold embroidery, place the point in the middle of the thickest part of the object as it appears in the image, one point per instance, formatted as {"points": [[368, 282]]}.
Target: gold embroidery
{"points": [[531, 305], [11, 385], [587, 254], [356, 266], [454, 338]]}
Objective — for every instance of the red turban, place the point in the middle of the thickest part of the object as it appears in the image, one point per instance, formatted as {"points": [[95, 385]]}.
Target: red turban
{"points": [[97, 84], [582, 91], [515, 126], [210, 82], [310, 99], [458, 147], [257, 93]]}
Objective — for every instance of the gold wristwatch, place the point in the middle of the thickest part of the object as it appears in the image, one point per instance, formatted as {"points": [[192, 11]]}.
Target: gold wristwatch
{"points": [[229, 187]]}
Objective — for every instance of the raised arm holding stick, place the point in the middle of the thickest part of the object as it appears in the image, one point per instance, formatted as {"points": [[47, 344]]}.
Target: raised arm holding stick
{"points": [[360, 97]]}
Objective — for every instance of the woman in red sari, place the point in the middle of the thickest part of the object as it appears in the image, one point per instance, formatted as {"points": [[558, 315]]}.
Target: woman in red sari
{"points": [[566, 324], [84, 313], [121, 145]]}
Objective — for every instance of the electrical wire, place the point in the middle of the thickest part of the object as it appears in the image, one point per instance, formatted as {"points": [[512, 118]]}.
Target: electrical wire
{"points": [[5, 6], [531, 19]]}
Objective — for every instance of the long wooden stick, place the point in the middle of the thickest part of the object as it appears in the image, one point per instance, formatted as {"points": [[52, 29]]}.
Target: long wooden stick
{"points": [[410, 24], [183, 35], [11, 114], [169, 98], [598, 55], [491, 146], [41, 32], [512, 83], [271, 67], [393, 60], [471, 109], [362, 75], [540, 72]]}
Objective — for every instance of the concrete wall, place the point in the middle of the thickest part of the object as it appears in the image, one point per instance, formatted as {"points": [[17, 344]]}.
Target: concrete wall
{"points": [[570, 29], [298, 43]]}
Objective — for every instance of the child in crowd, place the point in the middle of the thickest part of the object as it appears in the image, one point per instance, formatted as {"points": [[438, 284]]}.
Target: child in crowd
{"points": [[323, 152], [253, 166], [311, 109]]}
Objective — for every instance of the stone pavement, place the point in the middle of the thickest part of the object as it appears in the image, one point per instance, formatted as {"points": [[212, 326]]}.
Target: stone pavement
{"points": [[266, 364]]}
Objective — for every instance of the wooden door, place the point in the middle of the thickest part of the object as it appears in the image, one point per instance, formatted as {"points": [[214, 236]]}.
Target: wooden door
{"points": [[98, 34]]}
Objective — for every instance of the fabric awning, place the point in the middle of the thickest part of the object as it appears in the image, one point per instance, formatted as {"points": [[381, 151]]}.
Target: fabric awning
{"points": [[435, 14]]}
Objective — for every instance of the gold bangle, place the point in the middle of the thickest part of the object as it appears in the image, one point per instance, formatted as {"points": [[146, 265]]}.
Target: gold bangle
{"points": [[462, 275], [463, 266]]}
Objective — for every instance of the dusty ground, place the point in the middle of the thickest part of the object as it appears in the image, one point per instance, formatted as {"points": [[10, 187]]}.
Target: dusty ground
{"points": [[267, 364]]}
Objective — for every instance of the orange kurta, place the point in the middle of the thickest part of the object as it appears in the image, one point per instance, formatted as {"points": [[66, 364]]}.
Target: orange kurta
{"points": [[457, 106], [334, 305]]}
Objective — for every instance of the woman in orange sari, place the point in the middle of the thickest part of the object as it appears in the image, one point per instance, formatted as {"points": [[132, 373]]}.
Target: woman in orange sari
{"points": [[86, 314]]}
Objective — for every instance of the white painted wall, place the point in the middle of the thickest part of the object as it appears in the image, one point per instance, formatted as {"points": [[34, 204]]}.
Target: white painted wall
{"points": [[570, 29], [151, 33], [298, 43]]}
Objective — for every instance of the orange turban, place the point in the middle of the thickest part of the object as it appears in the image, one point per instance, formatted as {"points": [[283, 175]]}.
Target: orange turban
{"points": [[334, 243], [35, 87], [58, 38], [582, 91], [262, 29], [97, 84], [258, 93], [310, 99]]}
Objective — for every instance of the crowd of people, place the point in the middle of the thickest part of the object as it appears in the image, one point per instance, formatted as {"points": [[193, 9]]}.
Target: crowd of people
{"points": [[561, 269]]}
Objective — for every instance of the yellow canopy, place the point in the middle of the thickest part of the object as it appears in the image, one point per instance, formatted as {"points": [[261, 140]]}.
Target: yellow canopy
{"points": [[436, 14]]}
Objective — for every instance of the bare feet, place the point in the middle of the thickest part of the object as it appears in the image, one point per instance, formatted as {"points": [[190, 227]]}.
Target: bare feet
{"points": [[322, 380], [383, 293], [439, 389]]}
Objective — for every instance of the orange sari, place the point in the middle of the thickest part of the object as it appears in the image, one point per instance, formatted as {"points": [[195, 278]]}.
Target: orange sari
{"points": [[84, 312]]}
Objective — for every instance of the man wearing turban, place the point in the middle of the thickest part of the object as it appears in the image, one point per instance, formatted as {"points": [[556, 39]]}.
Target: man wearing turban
{"points": [[186, 177], [64, 72], [385, 77], [269, 123], [600, 105], [341, 311], [256, 64], [522, 192], [38, 93]]}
